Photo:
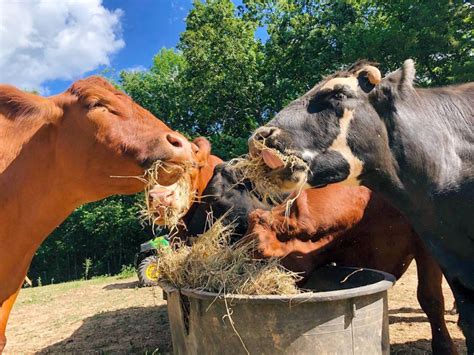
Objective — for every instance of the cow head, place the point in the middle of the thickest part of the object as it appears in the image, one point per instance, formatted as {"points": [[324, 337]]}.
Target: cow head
{"points": [[336, 127], [167, 197], [287, 236], [280, 231], [104, 139]]}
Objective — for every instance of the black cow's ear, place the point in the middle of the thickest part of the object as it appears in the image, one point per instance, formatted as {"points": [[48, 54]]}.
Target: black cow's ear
{"points": [[401, 80], [368, 77], [407, 76]]}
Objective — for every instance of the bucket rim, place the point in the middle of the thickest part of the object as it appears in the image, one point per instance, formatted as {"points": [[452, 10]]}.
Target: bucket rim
{"points": [[380, 286]]}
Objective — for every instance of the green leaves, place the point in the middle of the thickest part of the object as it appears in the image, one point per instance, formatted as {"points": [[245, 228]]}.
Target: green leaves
{"points": [[106, 233], [221, 83], [159, 90]]}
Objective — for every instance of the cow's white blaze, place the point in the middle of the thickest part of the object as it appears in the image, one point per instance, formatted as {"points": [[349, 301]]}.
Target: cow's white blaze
{"points": [[350, 81], [308, 155], [340, 145]]}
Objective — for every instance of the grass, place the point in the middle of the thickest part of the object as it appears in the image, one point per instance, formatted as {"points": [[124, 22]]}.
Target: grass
{"points": [[126, 272], [102, 315], [49, 293]]}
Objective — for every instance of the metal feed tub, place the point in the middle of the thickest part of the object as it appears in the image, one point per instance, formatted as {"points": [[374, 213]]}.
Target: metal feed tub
{"points": [[347, 314]]}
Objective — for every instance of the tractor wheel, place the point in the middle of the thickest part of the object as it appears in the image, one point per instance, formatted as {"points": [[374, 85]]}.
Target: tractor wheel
{"points": [[147, 271]]}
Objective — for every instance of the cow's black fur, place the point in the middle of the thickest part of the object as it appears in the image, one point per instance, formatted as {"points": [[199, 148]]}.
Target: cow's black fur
{"points": [[417, 148], [225, 196]]}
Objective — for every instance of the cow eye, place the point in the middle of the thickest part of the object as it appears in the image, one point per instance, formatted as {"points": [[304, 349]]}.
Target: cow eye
{"points": [[95, 104], [339, 96]]}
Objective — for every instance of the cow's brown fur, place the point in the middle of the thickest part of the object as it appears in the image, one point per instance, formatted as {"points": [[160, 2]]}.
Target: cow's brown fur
{"points": [[60, 152]]}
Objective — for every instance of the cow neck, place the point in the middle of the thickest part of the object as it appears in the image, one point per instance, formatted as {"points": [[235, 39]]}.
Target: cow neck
{"points": [[34, 200]]}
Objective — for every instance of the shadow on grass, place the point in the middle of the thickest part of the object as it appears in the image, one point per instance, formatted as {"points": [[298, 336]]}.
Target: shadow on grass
{"points": [[136, 329], [405, 310], [121, 286]]}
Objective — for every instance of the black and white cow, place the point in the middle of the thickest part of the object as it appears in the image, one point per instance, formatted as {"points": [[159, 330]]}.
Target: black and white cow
{"points": [[415, 146]]}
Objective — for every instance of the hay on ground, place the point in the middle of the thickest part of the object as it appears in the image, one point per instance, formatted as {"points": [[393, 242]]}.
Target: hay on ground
{"points": [[212, 264]]}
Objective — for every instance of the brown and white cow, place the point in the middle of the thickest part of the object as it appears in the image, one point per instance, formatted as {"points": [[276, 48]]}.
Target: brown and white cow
{"points": [[351, 226], [415, 146], [60, 152]]}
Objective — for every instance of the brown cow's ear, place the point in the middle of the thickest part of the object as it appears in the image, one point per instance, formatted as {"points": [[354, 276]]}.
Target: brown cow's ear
{"points": [[204, 149], [368, 77]]}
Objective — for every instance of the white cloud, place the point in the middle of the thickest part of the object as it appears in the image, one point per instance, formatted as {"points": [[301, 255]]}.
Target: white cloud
{"points": [[44, 40], [136, 68]]}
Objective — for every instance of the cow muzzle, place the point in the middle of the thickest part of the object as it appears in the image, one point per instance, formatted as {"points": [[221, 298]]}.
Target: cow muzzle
{"points": [[262, 137]]}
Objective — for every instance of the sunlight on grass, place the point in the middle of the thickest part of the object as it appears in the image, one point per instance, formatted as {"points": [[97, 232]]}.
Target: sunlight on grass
{"points": [[48, 293]]}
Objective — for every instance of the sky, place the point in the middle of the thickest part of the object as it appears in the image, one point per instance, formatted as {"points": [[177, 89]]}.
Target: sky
{"points": [[45, 45]]}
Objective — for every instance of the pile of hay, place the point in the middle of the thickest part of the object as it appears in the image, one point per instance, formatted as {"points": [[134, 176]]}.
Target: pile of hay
{"points": [[166, 216], [212, 264], [266, 185]]}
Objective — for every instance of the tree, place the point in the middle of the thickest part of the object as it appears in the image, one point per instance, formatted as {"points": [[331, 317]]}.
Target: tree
{"points": [[221, 81], [311, 38], [160, 90], [107, 232]]}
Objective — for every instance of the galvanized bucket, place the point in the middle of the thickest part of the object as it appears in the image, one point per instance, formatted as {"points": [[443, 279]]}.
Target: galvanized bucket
{"points": [[346, 314]]}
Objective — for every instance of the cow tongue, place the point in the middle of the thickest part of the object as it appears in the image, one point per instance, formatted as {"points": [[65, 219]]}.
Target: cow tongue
{"points": [[271, 159]]}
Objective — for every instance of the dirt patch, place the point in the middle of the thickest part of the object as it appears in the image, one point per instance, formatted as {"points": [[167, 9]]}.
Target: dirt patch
{"points": [[113, 316], [107, 315], [410, 332]]}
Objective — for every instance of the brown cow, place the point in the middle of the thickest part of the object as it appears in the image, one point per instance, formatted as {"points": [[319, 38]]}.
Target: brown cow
{"points": [[60, 152], [162, 197], [351, 226]]}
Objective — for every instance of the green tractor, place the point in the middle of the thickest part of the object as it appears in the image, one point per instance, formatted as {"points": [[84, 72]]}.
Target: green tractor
{"points": [[146, 260]]}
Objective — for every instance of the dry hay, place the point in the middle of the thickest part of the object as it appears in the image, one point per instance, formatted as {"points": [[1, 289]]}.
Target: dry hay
{"points": [[169, 216], [212, 264], [259, 174]]}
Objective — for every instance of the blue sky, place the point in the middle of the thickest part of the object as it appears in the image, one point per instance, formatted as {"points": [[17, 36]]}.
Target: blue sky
{"points": [[58, 42], [147, 26]]}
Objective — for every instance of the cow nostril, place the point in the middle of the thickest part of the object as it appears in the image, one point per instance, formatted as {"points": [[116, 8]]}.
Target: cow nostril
{"points": [[174, 141], [264, 132]]}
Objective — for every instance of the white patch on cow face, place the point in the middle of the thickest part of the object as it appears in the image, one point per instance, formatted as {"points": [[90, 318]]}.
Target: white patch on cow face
{"points": [[349, 81], [309, 155], [340, 145]]}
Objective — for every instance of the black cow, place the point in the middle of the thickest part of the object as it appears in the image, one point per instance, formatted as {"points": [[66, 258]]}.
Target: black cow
{"points": [[225, 196], [415, 146]]}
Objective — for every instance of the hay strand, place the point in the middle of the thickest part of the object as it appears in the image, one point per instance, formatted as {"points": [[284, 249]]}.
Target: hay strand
{"points": [[212, 264], [166, 215], [265, 184]]}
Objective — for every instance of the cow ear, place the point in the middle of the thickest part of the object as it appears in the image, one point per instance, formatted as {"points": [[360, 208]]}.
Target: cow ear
{"points": [[400, 82], [407, 76], [204, 149], [368, 77]]}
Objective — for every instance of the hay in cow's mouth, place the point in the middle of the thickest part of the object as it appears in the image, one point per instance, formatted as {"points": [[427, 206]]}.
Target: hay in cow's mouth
{"points": [[168, 216], [212, 264], [262, 177]]}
